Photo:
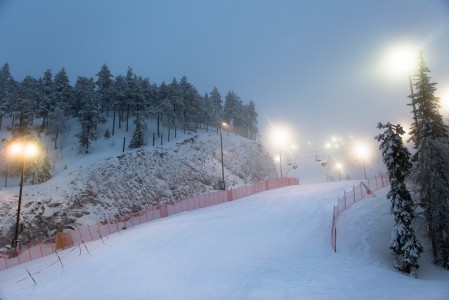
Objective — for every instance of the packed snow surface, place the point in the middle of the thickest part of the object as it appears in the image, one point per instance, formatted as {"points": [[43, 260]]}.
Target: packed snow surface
{"points": [[272, 245]]}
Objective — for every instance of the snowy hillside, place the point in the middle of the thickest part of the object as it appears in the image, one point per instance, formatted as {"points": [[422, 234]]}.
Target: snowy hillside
{"points": [[87, 188], [272, 245]]}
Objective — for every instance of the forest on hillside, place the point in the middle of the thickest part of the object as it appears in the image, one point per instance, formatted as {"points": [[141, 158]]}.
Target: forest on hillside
{"points": [[52, 100]]}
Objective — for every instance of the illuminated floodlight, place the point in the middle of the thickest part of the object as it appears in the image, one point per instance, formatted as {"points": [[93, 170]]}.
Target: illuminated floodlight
{"points": [[444, 102], [361, 151], [280, 136], [25, 149], [16, 148], [402, 59]]}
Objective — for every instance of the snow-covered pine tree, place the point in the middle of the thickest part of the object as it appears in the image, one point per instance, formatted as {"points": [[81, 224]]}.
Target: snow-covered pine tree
{"points": [[431, 164], [62, 92], [217, 105], [230, 107], [89, 113], [176, 102], [46, 105], [22, 106], [396, 157], [165, 106], [119, 100], [62, 96], [104, 87], [7, 89], [138, 137], [250, 120], [44, 172]]}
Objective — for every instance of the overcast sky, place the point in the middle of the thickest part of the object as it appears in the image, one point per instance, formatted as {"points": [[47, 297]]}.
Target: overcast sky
{"points": [[313, 65]]}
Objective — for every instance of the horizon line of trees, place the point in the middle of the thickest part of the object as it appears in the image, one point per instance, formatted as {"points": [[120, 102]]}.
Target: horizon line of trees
{"points": [[174, 105]]}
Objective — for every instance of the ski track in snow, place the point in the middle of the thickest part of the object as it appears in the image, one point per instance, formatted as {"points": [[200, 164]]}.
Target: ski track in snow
{"points": [[272, 245]]}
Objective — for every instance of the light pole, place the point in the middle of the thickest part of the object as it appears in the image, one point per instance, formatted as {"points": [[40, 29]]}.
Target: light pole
{"points": [[364, 170], [280, 136], [339, 170], [23, 150], [362, 153], [280, 161], [221, 147]]}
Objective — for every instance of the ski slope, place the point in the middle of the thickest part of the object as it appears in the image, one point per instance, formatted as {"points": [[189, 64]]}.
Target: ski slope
{"points": [[272, 245]]}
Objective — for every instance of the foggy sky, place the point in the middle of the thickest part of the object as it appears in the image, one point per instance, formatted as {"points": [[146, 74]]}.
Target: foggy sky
{"points": [[311, 64]]}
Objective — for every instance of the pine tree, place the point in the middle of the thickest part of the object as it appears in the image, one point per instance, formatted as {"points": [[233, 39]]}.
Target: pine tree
{"points": [[62, 92], [22, 106], [431, 164], [138, 137], [47, 103], [217, 105], [104, 87], [89, 113], [250, 120], [429, 122], [119, 100], [403, 244], [44, 172], [7, 90]]}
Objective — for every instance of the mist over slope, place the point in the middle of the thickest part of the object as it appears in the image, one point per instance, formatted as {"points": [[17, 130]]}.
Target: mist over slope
{"points": [[88, 188]]}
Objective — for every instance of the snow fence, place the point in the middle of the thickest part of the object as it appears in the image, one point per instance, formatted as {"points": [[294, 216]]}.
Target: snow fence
{"points": [[76, 237], [357, 193]]}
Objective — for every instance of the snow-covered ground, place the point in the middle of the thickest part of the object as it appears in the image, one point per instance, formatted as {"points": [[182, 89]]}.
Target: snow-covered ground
{"points": [[272, 245], [88, 188]]}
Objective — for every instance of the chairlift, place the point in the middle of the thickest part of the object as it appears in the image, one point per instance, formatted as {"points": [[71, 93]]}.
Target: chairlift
{"points": [[317, 157], [323, 161]]}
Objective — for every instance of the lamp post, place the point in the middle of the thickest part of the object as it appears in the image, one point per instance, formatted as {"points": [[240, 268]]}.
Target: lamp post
{"points": [[280, 137], [339, 170], [362, 153], [364, 170], [23, 150], [221, 147]]}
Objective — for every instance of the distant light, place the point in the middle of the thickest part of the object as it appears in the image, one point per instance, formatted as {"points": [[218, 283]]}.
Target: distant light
{"points": [[444, 101], [402, 59], [280, 135], [361, 151]]}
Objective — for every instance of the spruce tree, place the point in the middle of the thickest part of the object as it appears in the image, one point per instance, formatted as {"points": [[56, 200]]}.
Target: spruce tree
{"points": [[431, 164], [7, 90], [138, 137], [217, 105], [44, 172], [22, 106], [62, 92], [406, 249], [104, 87], [47, 103], [89, 113]]}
